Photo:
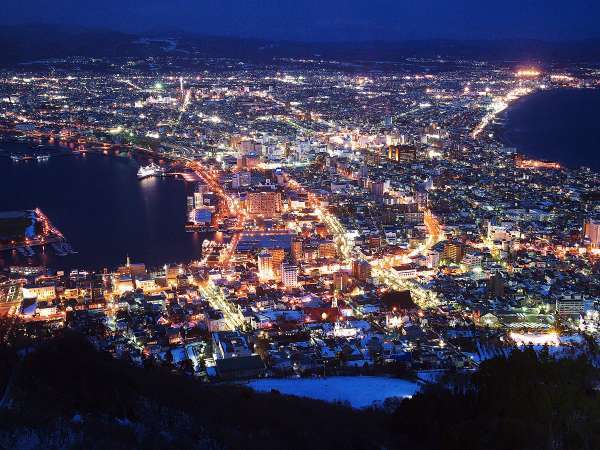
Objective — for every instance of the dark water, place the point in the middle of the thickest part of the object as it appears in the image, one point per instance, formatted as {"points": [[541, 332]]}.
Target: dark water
{"points": [[560, 125], [101, 207]]}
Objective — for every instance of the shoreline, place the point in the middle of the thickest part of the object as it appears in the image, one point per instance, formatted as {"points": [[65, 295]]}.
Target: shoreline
{"points": [[502, 131]]}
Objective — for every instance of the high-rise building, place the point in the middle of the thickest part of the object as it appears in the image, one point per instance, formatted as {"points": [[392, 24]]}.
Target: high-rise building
{"points": [[289, 275], [361, 269], [198, 199], [495, 286], [591, 232], [241, 179], [278, 255], [378, 188], [341, 281], [297, 250], [265, 265], [453, 251], [402, 153], [190, 203]]}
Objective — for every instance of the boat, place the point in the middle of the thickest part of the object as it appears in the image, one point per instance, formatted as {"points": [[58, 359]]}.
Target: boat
{"points": [[151, 170]]}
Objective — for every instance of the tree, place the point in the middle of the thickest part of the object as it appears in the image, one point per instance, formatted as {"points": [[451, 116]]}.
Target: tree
{"points": [[187, 367], [261, 347], [168, 359]]}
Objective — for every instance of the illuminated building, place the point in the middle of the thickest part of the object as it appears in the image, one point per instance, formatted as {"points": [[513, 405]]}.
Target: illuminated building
{"points": [[230, 344], [569, 305], [341, 281], [402, 153], [265, 265], [278, 255], [146, 283], [248, 161], [327, 249], [591, 232], [453, 252], [321, 230], [40, 291], [171, 274], [198, 199], [124, 283], [265, 204], [523, 163], [433, 134], [361, 270], [297, 250], [289, 275], [405, 270], [379, 188], [240, 179], [132, 268]]}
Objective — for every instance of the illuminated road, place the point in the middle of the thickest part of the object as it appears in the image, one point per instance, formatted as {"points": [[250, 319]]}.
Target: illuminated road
{"points": [[217, 300], [380, 269]]}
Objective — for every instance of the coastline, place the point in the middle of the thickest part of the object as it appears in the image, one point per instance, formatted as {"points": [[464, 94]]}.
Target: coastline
{"points": [[528, 138]]}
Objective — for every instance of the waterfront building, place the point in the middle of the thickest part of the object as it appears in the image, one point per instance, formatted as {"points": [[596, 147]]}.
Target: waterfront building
{"points": [[41, 292]]}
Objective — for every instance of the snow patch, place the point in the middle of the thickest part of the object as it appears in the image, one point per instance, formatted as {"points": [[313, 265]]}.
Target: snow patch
{"points": [[360, 392]]}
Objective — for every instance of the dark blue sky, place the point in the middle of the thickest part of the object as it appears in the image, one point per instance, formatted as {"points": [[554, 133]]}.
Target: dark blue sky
{"points": [[325, 19]]}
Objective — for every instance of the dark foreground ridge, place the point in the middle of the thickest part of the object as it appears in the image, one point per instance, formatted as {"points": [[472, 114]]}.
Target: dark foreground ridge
{"points": [[65, 394]]}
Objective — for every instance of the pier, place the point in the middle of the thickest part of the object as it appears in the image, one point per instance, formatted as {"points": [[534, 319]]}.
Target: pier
{"points": [[48, 235]]}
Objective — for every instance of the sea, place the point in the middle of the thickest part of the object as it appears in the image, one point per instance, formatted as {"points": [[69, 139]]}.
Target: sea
{"points": [[100, 206], [560, 125]]}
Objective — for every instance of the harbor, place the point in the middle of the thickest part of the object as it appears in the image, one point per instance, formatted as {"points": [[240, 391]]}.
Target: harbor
{"points": [[101, 207]]}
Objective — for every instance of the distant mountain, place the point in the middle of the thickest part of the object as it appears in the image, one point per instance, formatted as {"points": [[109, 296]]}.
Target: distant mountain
{"points": [[42, 41]]}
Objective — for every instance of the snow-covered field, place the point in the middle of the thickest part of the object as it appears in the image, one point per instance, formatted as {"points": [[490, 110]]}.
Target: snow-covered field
{"points": [[360, 392]]}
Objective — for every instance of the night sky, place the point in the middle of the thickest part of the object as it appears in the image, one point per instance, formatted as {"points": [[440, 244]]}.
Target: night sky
{"points": [[326, 20]]}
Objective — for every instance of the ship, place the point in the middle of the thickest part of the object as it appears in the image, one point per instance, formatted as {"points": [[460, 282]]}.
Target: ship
{"points": [[24, 157], [151, 170]]}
